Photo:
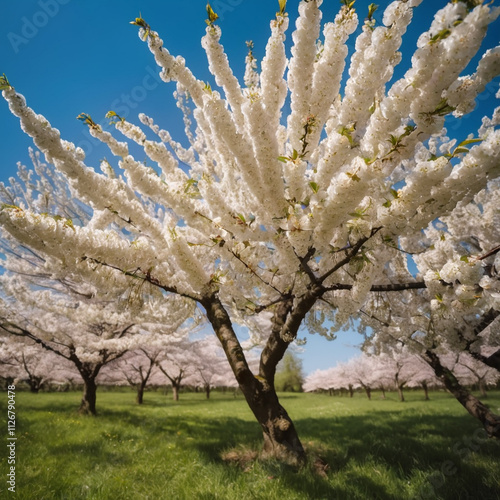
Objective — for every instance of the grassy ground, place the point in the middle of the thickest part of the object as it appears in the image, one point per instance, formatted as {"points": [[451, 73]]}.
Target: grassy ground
{"points": [[164, 450]]}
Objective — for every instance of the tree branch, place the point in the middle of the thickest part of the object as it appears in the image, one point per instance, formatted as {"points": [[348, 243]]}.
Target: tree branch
{"points": [[389, 287], [350, 254], [22, 332], [275, 346], [489, 254]]}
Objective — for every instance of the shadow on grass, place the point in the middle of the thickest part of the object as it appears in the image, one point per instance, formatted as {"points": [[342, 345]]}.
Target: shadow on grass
{"points": [[370, 456], [438, 449]]}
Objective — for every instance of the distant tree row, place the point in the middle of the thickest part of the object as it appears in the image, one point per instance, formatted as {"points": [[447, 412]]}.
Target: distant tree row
{"points": [[398, 371]]}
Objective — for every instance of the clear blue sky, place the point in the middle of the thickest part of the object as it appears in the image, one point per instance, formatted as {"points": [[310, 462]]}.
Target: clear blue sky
{"points": [[68, 56]]}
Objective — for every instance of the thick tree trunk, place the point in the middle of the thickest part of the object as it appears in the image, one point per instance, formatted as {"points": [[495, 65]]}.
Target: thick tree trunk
{"points": [[35, 384], [351, 391], [88, 404], [383, 392], [400, 393], [482, 389], [478, 410], [140, 393], [281, 440], [175, 392], [207, 391], [368, 392]]}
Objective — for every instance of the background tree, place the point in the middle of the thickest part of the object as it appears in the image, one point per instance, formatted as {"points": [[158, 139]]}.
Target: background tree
{"points": [[457, 314], [289, 374], [137, 367], [23, 361], [293, 224], [210, 367]]}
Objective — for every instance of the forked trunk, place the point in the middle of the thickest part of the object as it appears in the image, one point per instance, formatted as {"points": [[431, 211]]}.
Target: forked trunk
{"points": [[490, 421], [368, 392], [87, 406], [281, 440]]}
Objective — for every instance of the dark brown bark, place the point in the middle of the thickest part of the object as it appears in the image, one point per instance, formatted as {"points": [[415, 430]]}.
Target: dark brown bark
{"points": [[140, 392], [89, 397], [35, 383], [493, 360], [490, 421], [88, 372], [175, 392], [426, 391], [400, 393], [175, 381], [368, 392], [482, 389], [281, 440], [207, 391]]}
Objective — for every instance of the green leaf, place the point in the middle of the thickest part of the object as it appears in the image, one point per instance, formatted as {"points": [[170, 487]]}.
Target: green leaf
{"points": [[469, 141], [212, 16], [139, 21], [353, 177], [314, 186], [83, 117], [393, 140], [282, 4], [460, 150], [4, 83], [444, 33], [387, 204], [464, 258], [284, 159], [7, 206], [191, 188], [114, 117], [371, 10], [442, 109]]}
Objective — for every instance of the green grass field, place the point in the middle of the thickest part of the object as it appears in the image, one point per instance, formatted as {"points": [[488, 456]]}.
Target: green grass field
{"points": [[165, 450]]}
